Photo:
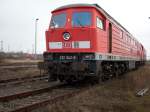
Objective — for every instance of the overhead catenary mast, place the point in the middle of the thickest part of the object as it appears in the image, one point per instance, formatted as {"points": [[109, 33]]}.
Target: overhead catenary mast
{"points": [[8, 48], [36, 22], [1, 45]]}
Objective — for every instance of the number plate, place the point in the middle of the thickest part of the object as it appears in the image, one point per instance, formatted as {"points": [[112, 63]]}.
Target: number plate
{"points": [[67, 45]]}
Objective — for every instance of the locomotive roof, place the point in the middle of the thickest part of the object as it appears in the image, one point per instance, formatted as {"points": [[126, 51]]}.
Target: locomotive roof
{"points": [[96, 6]]}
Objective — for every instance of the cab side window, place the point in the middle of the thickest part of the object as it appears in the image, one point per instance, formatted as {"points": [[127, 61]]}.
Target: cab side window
{"points": [[100, 23]]}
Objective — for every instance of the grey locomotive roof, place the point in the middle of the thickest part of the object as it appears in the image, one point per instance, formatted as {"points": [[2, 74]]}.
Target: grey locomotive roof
{"points": [[98, 8]]}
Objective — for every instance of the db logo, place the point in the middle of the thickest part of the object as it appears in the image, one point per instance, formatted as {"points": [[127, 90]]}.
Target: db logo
{"points": [[66, 36]]}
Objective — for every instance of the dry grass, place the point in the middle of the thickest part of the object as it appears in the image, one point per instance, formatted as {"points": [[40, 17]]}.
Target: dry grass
{"points": [[18, 73], [118, 95], [19, 62]]}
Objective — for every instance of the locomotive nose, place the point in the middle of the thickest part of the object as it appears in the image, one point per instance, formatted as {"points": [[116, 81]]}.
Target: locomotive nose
{"points": [[70, 40]]}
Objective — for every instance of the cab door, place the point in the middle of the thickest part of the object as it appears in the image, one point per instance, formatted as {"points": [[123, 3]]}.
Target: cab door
{"points": [[110, 38]]}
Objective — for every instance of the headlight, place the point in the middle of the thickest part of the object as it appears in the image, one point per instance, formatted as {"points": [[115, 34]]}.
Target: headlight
{"points": [[66, 36]]}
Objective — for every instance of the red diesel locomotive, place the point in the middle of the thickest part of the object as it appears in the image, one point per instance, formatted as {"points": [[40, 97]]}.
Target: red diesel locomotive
{"points": [[83, 41]]}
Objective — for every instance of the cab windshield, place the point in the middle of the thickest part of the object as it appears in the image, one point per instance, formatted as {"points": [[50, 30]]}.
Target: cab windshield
{"points": [[81, 19], [58, 21]]}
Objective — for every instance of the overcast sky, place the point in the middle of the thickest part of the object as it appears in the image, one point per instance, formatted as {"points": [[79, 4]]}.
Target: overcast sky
{"points": [[17, 20]]}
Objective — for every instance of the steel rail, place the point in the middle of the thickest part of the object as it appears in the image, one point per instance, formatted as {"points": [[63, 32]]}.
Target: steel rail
{"points": [[53, 100], [29, 93], [2, 85], [23, 78], [18, 66]]}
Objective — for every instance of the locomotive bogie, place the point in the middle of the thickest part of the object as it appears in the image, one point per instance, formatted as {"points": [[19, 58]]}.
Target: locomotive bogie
{"points": [[71, 70]]}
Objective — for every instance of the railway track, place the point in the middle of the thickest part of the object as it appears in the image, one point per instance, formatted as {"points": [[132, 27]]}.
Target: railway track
{"points": [[27, 93], [35, 105], [25, 101], [17, 66], [5, 100], [29, 100], [14, 81]]}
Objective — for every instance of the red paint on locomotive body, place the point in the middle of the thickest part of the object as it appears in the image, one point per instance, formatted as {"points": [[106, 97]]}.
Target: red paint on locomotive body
{"points": [[86, 33], [93, 38]]}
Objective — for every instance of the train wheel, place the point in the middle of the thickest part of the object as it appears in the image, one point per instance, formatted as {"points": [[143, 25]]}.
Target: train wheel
{"points": [[71, 79], [100, 78], [70, 82], [61, 78], [52, 77], [97, 80]]}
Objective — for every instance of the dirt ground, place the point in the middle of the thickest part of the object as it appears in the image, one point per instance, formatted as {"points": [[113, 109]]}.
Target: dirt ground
{"points": [[118, 95], [18, 62], [6, 74], [18, 72]]}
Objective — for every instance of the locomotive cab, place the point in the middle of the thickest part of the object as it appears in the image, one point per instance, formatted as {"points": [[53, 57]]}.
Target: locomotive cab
{"points": [[71, 30]]}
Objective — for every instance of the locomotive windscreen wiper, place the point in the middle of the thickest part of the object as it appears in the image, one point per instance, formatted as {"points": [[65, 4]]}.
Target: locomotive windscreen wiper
{"points": [[53, 24], [79, 22]]}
